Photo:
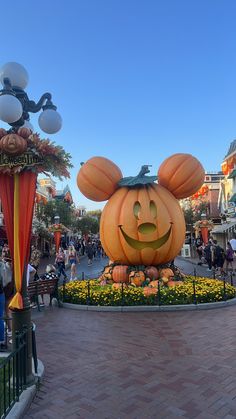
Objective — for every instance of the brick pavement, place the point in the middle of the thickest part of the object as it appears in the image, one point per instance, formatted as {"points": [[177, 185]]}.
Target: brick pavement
{"points": [[136, 365]]}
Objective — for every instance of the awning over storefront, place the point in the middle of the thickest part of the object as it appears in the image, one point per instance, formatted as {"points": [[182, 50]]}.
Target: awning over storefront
{"points": [[232, 174], [229, 226]]}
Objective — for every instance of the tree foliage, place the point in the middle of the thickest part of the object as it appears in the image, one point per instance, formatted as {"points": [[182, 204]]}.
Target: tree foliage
{"points": [[87, 225], [95, 214], [46, 212], [194, 211]]}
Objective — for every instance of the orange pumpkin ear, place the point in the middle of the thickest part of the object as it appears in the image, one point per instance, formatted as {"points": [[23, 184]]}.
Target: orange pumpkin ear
{"points": [[98, 178], [181, 174]]}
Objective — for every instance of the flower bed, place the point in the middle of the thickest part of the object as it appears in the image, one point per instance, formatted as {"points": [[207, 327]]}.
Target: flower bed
{"points": [[201, 290]]}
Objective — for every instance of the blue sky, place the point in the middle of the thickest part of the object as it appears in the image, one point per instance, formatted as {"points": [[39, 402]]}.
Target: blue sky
{"points": [[135, 81]]}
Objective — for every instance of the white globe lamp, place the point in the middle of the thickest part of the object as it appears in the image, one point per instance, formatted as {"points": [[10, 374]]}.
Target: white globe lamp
{"points": [[16, 73], [10, 108], [50, 121]]}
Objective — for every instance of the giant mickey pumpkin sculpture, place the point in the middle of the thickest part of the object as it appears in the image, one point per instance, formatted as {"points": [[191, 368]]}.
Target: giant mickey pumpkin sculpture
{"points": [[142, 222]]}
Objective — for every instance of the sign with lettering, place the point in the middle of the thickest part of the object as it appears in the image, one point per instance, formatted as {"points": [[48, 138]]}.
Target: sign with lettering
{"points": [[24, 160]]}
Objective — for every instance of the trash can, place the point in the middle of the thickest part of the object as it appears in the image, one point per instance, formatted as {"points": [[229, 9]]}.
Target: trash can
{"points": [[185, 251]]}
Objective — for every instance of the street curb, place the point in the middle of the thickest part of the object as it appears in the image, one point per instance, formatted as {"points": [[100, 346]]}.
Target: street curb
{"points": [[21, 407], [184, 307]]}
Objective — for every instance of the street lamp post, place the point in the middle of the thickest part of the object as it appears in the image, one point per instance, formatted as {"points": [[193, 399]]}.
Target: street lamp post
{"points": [[17, 188], [15, 105]]}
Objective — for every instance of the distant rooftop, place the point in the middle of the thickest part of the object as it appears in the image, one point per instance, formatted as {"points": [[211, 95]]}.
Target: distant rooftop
{"points": [[62, 192], [232, 148]]}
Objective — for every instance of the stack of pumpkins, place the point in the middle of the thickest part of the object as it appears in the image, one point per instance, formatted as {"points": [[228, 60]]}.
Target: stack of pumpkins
{"points": [[147, 278]]}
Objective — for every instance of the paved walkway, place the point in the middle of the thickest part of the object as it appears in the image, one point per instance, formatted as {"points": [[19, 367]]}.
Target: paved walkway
{"points": [[136, 365]]}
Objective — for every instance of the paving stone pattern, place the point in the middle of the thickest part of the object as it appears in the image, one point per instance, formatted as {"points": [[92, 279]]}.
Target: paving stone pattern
{"points": [[136, 365]]}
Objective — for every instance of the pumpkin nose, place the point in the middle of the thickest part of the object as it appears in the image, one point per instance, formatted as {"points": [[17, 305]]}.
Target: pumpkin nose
{"points": [[146, 228]]}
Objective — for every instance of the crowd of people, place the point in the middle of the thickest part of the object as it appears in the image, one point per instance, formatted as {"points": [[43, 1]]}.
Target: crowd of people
{"points": [[215, 256]]}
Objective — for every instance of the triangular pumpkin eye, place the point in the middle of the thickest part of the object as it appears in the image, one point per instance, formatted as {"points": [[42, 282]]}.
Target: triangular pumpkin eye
{"points": [[153, 209], [137, 208]]}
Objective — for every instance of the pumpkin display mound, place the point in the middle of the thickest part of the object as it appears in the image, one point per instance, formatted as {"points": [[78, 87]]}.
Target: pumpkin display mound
{"points": [[92, 293], [140, 275]]}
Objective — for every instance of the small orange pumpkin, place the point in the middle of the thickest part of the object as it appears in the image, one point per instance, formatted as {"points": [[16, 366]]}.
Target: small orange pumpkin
{"points": [[167, 273], [137, 278], [120, 274], [151, 272], [13, 144], [149, 291], [182, 174], [24, 132], [171, 283], [154, 284], [98, 178]]}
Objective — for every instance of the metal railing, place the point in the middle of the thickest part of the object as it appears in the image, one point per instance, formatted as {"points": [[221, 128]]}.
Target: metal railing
{"points": [[13, 378], [159, 297], [13, 375]]}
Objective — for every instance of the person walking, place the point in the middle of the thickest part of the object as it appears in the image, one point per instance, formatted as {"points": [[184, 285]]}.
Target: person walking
{"points": [[229, 257], [60, 262], [233, 243], [219, 257], [72, 257], [208, 253], [89, 251]]}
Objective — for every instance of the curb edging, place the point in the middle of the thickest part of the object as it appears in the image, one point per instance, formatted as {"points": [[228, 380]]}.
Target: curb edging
{"points": [[21, 407], [184, 307]]}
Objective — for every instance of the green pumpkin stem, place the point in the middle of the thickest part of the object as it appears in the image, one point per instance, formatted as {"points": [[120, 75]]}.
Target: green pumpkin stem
{"points": [[140, 179]]}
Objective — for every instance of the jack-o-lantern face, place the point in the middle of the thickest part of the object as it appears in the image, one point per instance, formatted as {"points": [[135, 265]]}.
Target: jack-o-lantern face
{"points": [[145, 229], [13, 144], [143, 225]]}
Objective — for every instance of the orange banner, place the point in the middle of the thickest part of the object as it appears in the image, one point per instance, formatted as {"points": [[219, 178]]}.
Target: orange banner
{"points": [[57, 239], [21, 206]]}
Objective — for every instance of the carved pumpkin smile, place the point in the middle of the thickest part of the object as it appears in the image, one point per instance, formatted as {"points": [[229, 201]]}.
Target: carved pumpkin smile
{"points": [[139, 245]]}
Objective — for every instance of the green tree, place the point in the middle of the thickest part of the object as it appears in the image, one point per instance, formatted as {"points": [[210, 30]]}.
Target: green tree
{"points": [[87, 225], [189, 216], [46, 212], [95, 214], [199, 209]]}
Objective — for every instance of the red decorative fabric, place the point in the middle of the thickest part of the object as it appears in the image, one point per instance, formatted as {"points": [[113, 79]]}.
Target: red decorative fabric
{"points": [[27, 185]]}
